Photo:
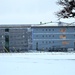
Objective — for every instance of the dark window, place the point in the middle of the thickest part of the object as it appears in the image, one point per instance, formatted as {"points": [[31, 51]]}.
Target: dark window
{"points": [[53, 41], [53, 29], [49, 35], [46, 35], [36, 35], [49, 29], [6, 43], [36, 45], [46, 29], [42, 35], [49, 41], [7, 30], [46, 41], [42, 41], [43, 30], [53, 35], [46, 48]]}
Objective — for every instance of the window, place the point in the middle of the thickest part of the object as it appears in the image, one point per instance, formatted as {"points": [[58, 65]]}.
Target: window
{"points": [[63, 36], [53, 41], [2, 36], [42, 41], [43, 30], [53, 35], [7, 43], [42, 35], [46, 41], [65, 42], [46, 48], [7, 30], [53, 29], [46, 29], [36, 35], [49, 29], [23, 36], [46, 35], [63, 30], [49, 35], [49, 41]]}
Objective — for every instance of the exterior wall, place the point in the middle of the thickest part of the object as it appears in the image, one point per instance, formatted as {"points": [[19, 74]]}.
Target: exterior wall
{"points": [[2, 38], [19, 38], [49, 38]]}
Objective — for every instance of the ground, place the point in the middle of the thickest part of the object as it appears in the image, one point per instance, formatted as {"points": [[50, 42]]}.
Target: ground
{"points": [[37, 64]]}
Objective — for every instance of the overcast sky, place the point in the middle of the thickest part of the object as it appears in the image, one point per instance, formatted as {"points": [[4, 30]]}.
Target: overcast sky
{"points": [[28, 11]]}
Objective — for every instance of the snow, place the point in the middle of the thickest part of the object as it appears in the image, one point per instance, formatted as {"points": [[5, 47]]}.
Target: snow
{"points": [[37, 63]]}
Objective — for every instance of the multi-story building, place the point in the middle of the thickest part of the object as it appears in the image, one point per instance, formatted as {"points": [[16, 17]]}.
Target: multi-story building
{"points": [[22, 38], [53, 38], [15, 38]]}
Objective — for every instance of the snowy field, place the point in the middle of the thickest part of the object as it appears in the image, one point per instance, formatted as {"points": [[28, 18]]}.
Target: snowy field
{"points": [[37, 64]]}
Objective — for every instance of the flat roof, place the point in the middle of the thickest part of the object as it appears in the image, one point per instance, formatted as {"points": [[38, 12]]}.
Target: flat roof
{"points": [[36, 25], [15, 25], [56, 24]]}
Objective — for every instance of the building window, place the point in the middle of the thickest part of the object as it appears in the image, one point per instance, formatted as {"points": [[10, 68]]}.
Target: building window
{"points": [[49, 41], [53, 35], [23, 36], [49, 35], [46, 48], [46, 29], [2, 36], [43, 30], [53, 29], [65, 42], [63, 30], [42, 35], [46, 35], [6, 30], [63, 36], [53, 41], [49, 29], [46, 41], [36, 35], [36, 45], [42, 41]]}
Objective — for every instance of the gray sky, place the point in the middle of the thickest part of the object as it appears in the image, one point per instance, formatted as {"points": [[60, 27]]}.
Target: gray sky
{"points": [[28, 11]]}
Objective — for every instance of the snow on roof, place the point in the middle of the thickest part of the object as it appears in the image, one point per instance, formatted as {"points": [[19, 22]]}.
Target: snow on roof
{"points": [[53, 24]]}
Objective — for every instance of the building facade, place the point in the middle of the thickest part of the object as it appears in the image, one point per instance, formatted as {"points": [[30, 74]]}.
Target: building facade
{"points": [[15, 38], [22, 38], [53, 38]]}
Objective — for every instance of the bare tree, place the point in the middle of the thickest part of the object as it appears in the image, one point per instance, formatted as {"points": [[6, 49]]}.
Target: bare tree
{"points": [[68, 8]]}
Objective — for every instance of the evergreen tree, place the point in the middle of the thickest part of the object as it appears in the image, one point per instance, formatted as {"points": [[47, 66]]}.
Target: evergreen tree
{"points": [[68, 8]]}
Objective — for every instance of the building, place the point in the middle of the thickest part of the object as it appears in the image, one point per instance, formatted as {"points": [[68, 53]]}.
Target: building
{"points": [[15, 38], [53, 38], [41, 37]]}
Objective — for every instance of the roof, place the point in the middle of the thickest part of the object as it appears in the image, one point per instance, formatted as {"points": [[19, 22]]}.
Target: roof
{"points": [[56, 24], [52, 24], [15, 25]]}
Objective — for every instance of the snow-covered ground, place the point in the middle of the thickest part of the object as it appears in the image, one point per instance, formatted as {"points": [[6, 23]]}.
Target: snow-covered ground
{"points": [[37, 63]]}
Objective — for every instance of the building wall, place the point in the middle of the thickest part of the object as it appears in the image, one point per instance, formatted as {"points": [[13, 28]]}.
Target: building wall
{"points": [[18, 39], [15, 39], [47, 38], [2, 38]]}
